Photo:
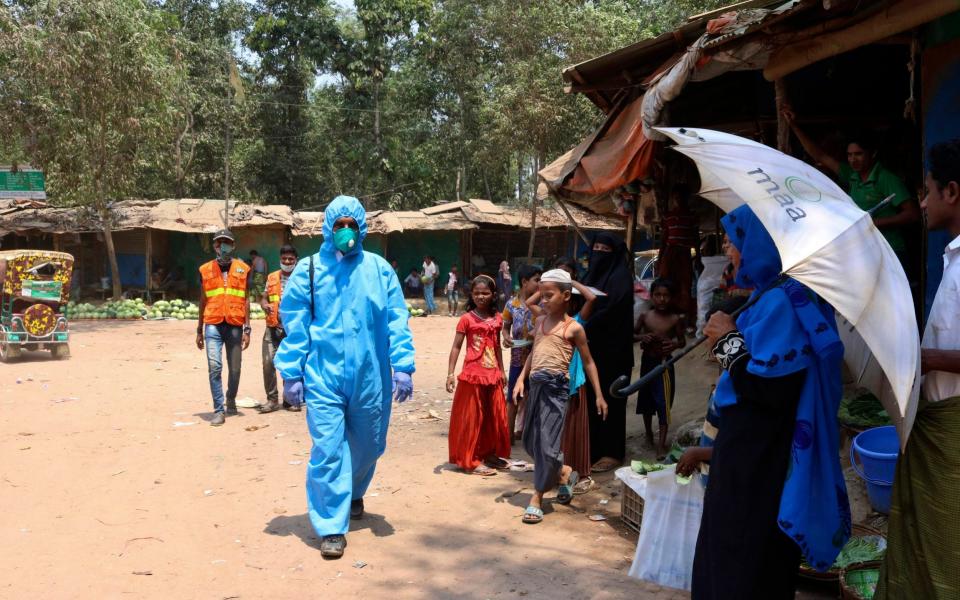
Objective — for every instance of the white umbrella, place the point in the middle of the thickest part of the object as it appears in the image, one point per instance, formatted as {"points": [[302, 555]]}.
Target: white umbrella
{"points": [[827, 243]]}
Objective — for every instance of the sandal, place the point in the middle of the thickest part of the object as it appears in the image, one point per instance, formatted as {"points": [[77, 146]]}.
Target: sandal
{"points": [[495, 462], [583, 486], [604, 465], [532, 515], [483, 471], [565, 491]]}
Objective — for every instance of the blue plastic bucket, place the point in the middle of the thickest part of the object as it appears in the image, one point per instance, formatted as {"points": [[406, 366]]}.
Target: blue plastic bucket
{"points": [[877, 451]]}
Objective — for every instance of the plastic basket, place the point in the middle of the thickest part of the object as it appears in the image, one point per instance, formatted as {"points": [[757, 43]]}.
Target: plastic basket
{"points": [[859, 581], [631, 508], [858, 530]]}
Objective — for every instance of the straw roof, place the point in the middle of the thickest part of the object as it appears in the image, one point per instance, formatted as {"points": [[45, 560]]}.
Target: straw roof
{"points": [[206, 216]]}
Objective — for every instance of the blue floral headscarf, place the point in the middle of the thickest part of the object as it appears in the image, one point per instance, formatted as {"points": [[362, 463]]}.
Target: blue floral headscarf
{"points": [[788, 330]]}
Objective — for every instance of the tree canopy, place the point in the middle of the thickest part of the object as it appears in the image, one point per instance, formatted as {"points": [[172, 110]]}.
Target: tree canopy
{"points": [[402, 102]]}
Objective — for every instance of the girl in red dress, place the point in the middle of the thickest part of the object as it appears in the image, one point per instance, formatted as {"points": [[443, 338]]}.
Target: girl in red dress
{"points": [[479, 439]]}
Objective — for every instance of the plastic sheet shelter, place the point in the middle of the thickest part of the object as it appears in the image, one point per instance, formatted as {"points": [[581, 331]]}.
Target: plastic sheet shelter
{"points": [[615, 154]]}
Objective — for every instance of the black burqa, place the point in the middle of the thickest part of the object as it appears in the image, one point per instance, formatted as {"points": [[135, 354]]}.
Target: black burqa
{"points": [[610, 336]]}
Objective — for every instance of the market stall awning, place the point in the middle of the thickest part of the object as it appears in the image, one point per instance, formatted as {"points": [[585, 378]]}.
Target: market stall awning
{"points": [[615, 154]]}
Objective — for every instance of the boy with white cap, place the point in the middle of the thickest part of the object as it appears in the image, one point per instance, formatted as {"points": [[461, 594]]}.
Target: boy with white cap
{"points": [[555, 337]]}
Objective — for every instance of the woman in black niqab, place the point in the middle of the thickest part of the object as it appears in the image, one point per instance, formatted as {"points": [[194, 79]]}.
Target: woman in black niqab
{"points": [[610, 336]]}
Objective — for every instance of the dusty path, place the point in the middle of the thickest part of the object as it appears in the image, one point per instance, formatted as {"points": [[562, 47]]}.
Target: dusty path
{"points": [[112, 485]]}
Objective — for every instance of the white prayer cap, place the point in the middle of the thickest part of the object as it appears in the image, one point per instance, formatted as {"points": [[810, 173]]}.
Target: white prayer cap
{"points": [[556, 276]]}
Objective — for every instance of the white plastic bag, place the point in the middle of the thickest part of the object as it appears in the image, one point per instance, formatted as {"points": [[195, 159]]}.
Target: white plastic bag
{"points": [[668, 533]]}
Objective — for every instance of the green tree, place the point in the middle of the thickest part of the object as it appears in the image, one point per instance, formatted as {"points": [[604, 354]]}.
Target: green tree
{"points": [[293, 39], [205, 101], [86, 85]]}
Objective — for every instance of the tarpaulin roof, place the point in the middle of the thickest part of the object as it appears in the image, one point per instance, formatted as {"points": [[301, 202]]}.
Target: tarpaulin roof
{"points": [[776, 36], [614, 155], [604, 79]]}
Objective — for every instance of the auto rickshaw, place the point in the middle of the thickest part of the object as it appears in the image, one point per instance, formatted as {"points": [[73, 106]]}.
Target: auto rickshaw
{"points": [[34, 285]]}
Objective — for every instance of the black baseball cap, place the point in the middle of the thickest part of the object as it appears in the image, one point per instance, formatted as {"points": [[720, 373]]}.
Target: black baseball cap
{"points": [[224, 234]]}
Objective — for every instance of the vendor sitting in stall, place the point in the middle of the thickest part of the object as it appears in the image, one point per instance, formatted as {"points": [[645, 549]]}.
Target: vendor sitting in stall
{"points": [[868, 183]]}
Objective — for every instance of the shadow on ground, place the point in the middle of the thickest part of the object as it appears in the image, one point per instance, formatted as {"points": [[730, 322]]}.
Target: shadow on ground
{"points": [[299, 525]]}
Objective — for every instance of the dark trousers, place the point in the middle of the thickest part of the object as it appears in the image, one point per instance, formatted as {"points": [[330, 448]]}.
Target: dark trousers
{"points": [[272, 336]]}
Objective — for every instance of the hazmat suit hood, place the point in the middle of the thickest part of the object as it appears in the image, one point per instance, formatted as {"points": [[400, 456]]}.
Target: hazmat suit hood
{"points": [[343, 206]]}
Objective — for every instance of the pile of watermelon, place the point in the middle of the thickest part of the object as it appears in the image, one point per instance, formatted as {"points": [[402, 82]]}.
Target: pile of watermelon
{"points": [[174, 309], [122, 309], [132, 310]]}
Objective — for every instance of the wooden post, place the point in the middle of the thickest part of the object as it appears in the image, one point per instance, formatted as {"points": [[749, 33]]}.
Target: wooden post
{"points": [[783, 129], [148, 264], [631, 222], [533, 227]]}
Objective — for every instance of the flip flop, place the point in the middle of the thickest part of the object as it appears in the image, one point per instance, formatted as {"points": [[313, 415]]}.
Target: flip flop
{"points": [[583, 486], [483, 471], [498, 464], [532, 515], [604, 466], [565, 491]]}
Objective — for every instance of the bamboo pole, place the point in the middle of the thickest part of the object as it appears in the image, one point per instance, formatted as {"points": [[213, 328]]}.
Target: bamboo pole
{"points": [[573, 221]]}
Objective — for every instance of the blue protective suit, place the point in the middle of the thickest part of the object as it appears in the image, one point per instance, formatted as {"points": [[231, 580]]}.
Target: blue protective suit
{"points": [[344, 353]]}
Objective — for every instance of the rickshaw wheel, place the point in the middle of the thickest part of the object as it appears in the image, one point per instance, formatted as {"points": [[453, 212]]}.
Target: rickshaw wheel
{"points": [[60, 351], [9, 351]]}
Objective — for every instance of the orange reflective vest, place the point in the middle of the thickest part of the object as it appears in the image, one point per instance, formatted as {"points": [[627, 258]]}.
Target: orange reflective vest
{"points": [[273, 291], [225, 302]]}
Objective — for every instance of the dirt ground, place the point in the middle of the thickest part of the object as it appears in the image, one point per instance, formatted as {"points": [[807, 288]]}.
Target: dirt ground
{"points": [[113, 485]]}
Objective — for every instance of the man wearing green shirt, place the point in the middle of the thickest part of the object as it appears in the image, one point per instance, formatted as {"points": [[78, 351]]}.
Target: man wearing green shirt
{"points": [[868, 183]]}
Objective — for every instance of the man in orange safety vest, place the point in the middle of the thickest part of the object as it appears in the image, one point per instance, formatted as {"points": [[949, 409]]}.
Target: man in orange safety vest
{"points": [[224, 321], [274, 333]]}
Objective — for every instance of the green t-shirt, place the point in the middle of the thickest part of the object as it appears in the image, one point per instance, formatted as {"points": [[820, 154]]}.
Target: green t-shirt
{"points": [[867, 194]]}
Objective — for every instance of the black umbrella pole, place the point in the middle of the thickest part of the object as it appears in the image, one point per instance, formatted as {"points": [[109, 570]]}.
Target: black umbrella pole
{"points": [[617, 389], [620, 389]]}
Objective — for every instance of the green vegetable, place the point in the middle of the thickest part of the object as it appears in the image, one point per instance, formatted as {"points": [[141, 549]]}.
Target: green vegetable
{"points": [[858, 549], [862, 409], [643, 468]]}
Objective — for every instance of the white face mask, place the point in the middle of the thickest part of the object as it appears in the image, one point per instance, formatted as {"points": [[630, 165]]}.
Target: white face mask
{"points": [[287, 268]]}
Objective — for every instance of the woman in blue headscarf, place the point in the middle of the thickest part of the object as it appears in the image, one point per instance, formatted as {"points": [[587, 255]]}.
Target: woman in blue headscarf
{"points": [[776, 490]]}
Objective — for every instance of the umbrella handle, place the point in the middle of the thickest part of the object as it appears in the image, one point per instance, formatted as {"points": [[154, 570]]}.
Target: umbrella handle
{"points": [[620, 389]]}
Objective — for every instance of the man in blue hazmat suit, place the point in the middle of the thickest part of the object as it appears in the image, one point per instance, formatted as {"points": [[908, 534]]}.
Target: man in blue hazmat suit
{"points": [[347, 346]]}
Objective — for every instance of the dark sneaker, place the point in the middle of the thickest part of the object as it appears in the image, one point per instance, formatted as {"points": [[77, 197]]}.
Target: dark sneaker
{"points": [[332, 546], [218, 419], [356, 509], [232, 408], [269, 407]]}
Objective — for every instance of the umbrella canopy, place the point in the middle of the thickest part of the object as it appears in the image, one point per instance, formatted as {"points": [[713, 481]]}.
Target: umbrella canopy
{"points": [[827, 243]]}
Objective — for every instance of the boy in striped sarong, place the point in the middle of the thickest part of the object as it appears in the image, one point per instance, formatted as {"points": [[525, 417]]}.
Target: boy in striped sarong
{"points": [[660, 332]]}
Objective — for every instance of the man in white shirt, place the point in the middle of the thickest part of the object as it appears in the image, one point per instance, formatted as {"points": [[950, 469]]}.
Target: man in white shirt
{"points": [[430, 273], [922, 559]]}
